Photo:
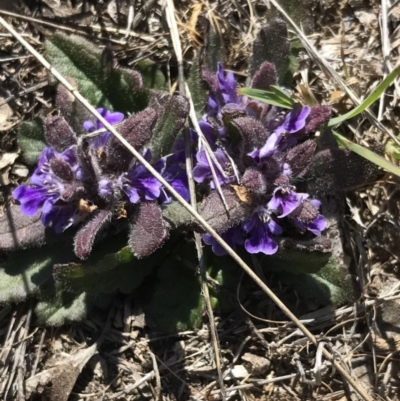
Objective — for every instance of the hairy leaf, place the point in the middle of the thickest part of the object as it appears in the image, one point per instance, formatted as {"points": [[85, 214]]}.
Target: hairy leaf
{"points": [[20, 231], [252, 131], [298, 256], [211, 80], [229, 113], [271, 44], [299, 157], [25, 272], [254, 180], [31, 140], [85, 237], [107, 273], [148, 231], [198, 88], [62, 308], [318, 115], [59, 134], [153, 78], [334, 170], [225, 271], [176, 215], [75, 57], [264, 77], [214, 46], [306, 212], [173, 111], [221, 219], [177, 303], [332, 285], [66, 273], [137, 130], [73, 111], [62, 169]]}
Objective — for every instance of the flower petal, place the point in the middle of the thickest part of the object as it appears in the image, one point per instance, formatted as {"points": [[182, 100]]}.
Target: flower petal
{"points": [[30, 198], [114, 118], [270, 146], [274, 227], [318, 225], [88, 126], [133, 194], [261, 243]]}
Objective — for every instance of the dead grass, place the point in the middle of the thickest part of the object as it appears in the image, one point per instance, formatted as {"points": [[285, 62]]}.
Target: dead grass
{"points": [[262, 359]]}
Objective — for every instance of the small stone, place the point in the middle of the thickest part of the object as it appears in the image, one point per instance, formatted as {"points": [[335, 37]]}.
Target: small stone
{"points": [[258, 364]]}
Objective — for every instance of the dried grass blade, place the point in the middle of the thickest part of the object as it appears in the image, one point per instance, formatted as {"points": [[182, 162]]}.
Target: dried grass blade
{"points": [[170, 14]]}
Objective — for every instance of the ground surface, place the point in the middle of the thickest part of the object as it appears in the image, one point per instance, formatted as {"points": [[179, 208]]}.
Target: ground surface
{"points": [[262, 359]]}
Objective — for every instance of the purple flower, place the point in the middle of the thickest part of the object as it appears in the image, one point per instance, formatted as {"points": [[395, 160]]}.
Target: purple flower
{"points": [[177, 178], [271, 145], [232, 237], [260, 227], [285, 200], [227, 85], [138, 183], [105, 188], [202, 171], [111, 117], [294, 121], [211, 133], [54, 179], [317, 225], [61, 216], [223, 92]]}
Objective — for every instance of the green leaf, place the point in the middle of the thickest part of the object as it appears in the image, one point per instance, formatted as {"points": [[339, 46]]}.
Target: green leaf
{"points": [[177, 303], [176, 215], [198, 88], [392, 150], [24, 272], [107, 273], [30, 137], [367, 154], [375, 95], [282, 94], [62, 308], [114, 89], [214, 47], [153, 78], [172, 117], [227, 273], [300, 256], [331, 286], [277, 97]]}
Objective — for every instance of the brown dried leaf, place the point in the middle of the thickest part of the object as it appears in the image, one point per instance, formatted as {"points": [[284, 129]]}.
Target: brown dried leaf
{"points": [[57, 382]]}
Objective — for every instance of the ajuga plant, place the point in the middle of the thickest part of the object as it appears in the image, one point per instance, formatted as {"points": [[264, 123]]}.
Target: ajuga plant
{"points": [[263, 183]]}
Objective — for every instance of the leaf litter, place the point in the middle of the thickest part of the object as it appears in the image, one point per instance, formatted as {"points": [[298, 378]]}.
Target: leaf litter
{"points": [[264, 357]]}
